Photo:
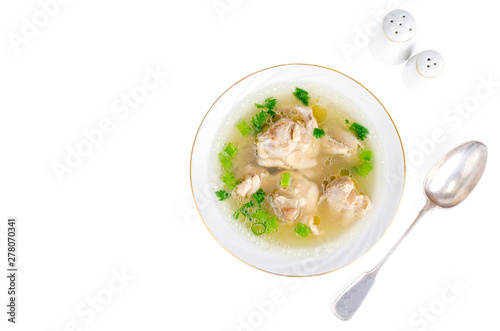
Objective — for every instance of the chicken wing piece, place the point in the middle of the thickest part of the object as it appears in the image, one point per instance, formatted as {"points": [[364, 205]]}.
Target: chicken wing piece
{"points": [[287, 142], [342, 195], [252, 182], [299, 199]]}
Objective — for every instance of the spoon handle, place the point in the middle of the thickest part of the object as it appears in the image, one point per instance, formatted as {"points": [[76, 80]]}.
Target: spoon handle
{"points": [[351, 299]]}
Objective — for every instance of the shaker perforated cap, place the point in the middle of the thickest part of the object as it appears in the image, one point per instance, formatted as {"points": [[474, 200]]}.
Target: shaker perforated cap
{"points": [[429, 63], [399, 26]]}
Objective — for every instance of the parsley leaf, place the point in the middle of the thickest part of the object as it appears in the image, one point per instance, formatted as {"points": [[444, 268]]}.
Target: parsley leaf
{"points": [[270, 103], [222, 195], [259, 120], [302, 95], [318, 133], [359, 130]]}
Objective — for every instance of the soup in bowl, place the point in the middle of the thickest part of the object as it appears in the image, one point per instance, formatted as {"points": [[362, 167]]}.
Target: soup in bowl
{"points": [[297, 170]]}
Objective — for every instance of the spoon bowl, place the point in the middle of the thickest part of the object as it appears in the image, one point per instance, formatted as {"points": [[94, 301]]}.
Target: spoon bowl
{"points": [[454, 177]]}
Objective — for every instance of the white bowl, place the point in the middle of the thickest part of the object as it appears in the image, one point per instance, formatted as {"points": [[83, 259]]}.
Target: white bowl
{"points": [[391, 187]]}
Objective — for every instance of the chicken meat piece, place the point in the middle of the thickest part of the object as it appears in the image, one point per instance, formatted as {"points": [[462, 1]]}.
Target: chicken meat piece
{"points": [[312, 226], [334, 146], [342, 142], [251, 183], [342, 195], [287, 142], [300, 198], [287, 208]]}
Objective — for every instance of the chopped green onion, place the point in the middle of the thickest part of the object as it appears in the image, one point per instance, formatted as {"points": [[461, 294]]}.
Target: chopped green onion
{"points": [[285, 179], [365, 169], [259, 120], [346, 121], [302, 230], [318, 133], [258, 228], [302, 95], [366, 155], [259, 196], [222, 195], [359, 130], [225, 161], [261, 215], [249, 204], [229, 180], [231, 150], [272, 223], [271, 113], [243, 127], [244, 210], [246, 213]]}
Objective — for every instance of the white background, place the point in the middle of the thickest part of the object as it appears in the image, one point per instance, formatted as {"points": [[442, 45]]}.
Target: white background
{"points": [[128, 205]]}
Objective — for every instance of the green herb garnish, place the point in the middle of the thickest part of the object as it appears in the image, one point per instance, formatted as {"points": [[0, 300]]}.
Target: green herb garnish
{"points": [[230, 150], [346, 121], [318, 133], [270, 103], [302, 95], [229, 180], [261, 215], [365, 169], [258, 228], [243, 127], [366, 155], [259, 196], [225, 161], [285, 179], [245, 210], [302, 230], [359, 130], [272, 223], [259, 120], [222, 195]]}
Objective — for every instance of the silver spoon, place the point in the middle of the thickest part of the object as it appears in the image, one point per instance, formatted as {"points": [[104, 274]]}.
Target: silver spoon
{"points": [[447, 184]]}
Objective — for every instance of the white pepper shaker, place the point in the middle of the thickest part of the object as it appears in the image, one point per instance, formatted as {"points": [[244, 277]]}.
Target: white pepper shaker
{"points": [[422, 69], [395, 41]]}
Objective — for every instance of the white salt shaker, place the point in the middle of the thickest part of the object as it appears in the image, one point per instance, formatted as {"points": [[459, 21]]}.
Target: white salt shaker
{"points": [[395, 41], [421, 70]]}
